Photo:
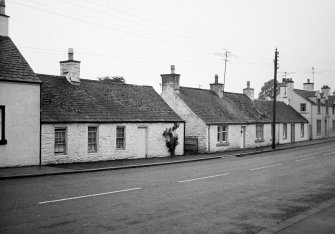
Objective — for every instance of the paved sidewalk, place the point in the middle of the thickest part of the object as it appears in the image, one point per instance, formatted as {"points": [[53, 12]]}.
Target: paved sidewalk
{"points": [[33, 171], [320, 219]]}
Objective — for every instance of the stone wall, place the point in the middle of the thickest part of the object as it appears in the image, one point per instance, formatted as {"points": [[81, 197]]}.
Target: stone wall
{"points": [[77, 142]]}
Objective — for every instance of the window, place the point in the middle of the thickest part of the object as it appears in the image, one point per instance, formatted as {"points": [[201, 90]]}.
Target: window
{"points": [[302, 107], [318, 127], [120, 137], [3, 140], [222, 133], [319, 106], [60, 140], [284, 131], [302, 130], [334, 109], [92, 139], [260, 132], [327, 108]]}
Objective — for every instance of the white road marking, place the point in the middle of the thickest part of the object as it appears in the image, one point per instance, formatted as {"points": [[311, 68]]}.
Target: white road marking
{"points": [[329, 153], [258, 168], [201, 178], [302, 159], [91, 195]]}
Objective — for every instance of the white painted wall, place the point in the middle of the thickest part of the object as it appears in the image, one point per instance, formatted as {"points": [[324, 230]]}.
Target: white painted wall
{"points": [[235, 137], [77, 142], [194, 125], [22, 103]]}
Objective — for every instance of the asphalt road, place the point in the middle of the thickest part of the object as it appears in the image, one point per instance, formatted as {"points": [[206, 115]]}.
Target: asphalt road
{"points": [[229, 195]]}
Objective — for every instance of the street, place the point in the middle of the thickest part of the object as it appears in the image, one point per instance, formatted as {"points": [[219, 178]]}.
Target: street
{"points": [[228, 195]]}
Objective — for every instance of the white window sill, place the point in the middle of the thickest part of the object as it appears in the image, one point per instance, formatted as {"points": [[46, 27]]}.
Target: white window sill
{"points": [[222, 144]]}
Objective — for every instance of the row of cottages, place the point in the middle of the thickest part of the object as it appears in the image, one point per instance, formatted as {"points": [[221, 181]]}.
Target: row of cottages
{"points": [[317, 107], [19, 104], [222, 120], [60, 119], [91, 120]]}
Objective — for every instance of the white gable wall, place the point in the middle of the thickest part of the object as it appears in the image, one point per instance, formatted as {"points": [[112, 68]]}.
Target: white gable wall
{"points": [[22, 109], [194, 125], [77, 142]]}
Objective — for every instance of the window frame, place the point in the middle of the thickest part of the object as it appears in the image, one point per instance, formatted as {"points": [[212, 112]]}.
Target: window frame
{"points": [[319, 106], [302, 130], [259, 131], [3, 140], [318, 127], [118, 137], [222, 130], [303, 107], [65, 141], [284, 130], [327, 108], [95, 150]]}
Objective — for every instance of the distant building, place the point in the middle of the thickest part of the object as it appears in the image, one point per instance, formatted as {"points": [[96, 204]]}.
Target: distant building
{"points": [[317, 107], [19, 104], [221, 120], [91, 120]]}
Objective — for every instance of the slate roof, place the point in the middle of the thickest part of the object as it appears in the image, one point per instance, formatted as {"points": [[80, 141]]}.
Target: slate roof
{"points": [[99, 101], [13, 66], [232, 108], [284, 113], [306, 94]]}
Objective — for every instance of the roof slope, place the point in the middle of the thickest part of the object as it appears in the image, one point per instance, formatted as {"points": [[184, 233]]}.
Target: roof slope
{"points": [[306, 94], [284, 113], [99, 101], [13, 66], [232, 108]]}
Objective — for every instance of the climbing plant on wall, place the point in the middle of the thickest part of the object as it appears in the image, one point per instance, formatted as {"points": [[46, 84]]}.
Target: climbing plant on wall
{"points": [[171, 139]]}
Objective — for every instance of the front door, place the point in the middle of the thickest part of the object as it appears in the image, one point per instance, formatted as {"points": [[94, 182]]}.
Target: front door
{"points": [[242, 137], [142, 142], [292, 132]]}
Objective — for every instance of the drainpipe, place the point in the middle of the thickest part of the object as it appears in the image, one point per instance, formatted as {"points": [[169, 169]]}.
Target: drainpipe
{"points": [[184, 140], [209, 138], [40, 163]]}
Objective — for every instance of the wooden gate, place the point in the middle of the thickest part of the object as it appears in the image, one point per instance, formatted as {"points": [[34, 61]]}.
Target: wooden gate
{"points": [[191, 144]]}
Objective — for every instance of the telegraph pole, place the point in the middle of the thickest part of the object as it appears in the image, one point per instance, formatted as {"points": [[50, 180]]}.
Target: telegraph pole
{"points": [[274, 100], [225, 66], [225, 58]]}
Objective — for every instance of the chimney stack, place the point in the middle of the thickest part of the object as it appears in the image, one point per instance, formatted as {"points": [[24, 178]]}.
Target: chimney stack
{"points": [[70, 68], [4, 19], [170, 81], [249, 91], [289, 83], [217, 87], [308, 86], [326, 91]]}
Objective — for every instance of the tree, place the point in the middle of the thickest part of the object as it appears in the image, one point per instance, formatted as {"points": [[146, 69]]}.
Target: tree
{"points": [[114, 79], [267, 90]]}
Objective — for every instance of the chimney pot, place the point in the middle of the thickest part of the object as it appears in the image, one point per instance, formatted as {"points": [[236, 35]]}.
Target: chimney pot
{"points": [[308, 81], [172, 69], [248, 84], [70, 53], [216, 78]]}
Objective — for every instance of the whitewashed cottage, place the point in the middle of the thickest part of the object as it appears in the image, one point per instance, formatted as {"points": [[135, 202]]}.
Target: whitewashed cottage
{"points": [[317, 107], [221, 120], [19, 104], [90, 120]]}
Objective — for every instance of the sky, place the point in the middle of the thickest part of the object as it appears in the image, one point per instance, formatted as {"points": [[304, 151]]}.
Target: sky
{"points": [[139, 40]]}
